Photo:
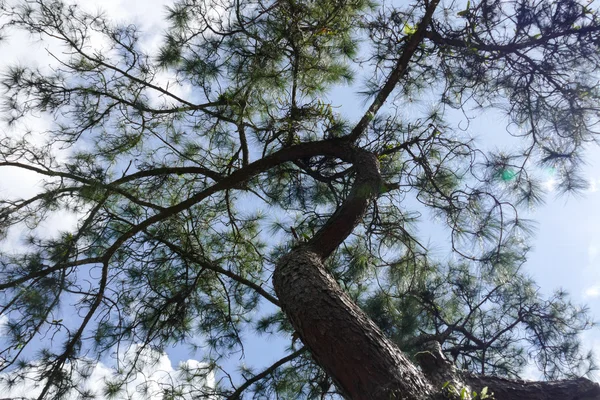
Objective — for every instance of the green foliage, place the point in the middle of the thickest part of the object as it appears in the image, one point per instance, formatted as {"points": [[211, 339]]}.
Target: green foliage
{"points": [[452, 392], [186, 192]]}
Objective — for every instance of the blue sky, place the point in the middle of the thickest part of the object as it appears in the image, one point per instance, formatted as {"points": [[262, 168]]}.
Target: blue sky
{"points": [[566, 250]]}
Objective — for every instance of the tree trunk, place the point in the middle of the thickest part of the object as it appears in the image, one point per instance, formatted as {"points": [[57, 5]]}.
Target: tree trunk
{"points": [[362, 361]]}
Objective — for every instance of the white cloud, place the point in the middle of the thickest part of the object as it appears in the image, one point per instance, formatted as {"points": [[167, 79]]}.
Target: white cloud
{"points": [[592, 291], [147, 16], [153, 375]]}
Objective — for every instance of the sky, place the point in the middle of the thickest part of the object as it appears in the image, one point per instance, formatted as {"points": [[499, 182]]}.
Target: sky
{"points": [[566, 250], [155, 372]]}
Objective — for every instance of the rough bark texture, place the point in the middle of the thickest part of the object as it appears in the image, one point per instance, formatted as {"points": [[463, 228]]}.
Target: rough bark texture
{"points": [[439, 371], [343, 340], [507, 389]]}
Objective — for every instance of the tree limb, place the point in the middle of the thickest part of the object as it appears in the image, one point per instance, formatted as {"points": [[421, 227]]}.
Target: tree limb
{"points": [[508, 389]]}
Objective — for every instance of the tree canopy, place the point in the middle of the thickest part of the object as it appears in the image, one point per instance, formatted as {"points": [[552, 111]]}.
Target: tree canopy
{"points": [[199, 168]]}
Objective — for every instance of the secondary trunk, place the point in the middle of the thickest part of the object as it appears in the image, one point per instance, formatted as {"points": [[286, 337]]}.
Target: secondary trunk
{"points": [[509, 389]]}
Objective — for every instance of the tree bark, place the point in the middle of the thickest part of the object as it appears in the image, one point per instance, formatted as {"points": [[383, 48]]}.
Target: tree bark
{"points": [[439, 370], [363, 363], [508, 389]]}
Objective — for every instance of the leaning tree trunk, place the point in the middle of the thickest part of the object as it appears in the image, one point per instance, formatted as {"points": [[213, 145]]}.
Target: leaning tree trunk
{"points": [[363, 363], [361, 360]]}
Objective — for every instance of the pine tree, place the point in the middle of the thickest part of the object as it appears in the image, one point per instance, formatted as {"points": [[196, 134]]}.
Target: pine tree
{"points": [[241, 197]]}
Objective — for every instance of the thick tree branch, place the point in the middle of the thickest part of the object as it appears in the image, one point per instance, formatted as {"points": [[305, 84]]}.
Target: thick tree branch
{"points": [[331, 147], [437, 38], [91, 183], [124, 179], [215, 176], [507, 389]]}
